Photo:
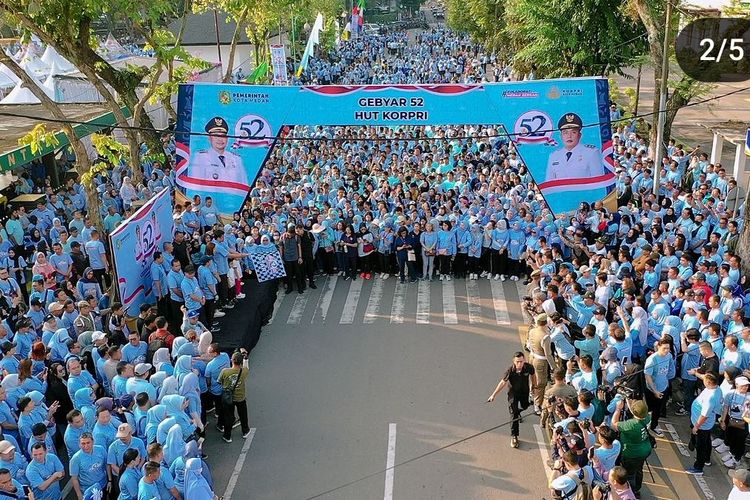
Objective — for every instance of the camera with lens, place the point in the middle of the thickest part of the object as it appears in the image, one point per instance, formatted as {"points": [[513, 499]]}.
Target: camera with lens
{"points": [[586, 424], [617, 302]]}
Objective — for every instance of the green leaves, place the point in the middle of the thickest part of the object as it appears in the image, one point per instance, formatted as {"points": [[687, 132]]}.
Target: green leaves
{"points": [[39, 138]]}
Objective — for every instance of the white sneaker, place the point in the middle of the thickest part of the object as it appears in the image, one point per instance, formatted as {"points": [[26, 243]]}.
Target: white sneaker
{"points": [[514, 278], [448, 278], [497, 277], [484, 273], [240, 296], [386, 276], [722, 449], [219, 314], [726, 457], [502, 277], [731, 463], [717, 442], [341, 273], [474, 276]]}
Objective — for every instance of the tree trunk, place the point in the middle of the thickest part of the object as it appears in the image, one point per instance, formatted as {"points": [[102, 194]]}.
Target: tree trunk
{"points": [[83, 164], [233, 46]]}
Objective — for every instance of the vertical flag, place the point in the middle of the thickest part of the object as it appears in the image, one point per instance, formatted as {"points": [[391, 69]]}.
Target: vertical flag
{"points": [[311, 43], [278, 61]]}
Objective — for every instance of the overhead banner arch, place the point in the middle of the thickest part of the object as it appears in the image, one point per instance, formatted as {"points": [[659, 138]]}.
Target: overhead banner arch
{"points": [[560, 127]]}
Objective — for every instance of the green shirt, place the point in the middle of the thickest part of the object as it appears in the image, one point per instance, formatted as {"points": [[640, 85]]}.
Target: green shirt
{"points": [[634, 438], [228, 377]]}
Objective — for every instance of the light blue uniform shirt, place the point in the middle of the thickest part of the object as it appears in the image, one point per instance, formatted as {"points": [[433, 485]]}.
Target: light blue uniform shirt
{"points": [[91, 468], [707, 404], [37, 473]]}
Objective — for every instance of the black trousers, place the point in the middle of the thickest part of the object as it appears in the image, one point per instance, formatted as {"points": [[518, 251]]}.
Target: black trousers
{"points": [[516, 404], [735, 438], [655, 406], [634, 468], [207, 312], [702, 448], [294, 273], [103, 278], [241, 407], [175, 316], [308, 266], [223, 290]]}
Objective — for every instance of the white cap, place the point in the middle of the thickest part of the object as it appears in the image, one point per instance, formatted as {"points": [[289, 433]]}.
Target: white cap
{"points": [[741, 381]]}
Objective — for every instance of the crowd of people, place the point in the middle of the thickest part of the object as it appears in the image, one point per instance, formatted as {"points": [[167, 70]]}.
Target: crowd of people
{"points": [[637, 311], [438, 55]]}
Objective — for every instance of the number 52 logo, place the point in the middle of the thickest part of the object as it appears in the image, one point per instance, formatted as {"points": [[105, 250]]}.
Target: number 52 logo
{"points": [[533, 127], [253, 131]]}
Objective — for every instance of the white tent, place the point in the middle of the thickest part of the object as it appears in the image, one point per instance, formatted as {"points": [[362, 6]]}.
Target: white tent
{"points": [[112, 48], [22, 95], [51, 56], [49, 84], [7, 77], [34, 67]]}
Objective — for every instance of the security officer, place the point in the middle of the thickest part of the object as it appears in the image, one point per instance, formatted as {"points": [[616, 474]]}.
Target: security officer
{"points": [[215, 163], [541, 359], [574, 160]]}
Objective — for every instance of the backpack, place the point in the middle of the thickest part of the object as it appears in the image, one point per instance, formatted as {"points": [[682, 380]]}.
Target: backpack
{"points": [[599, 412], [583, 489], [154, 346]]}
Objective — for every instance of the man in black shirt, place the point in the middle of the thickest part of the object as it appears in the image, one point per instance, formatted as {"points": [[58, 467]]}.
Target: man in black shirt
{"points": [[180, 248], [516, 378], [709, 362]]}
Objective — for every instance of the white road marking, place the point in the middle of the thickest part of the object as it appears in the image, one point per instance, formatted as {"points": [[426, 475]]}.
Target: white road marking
{"points": [[373, 304], [450, 317], [543, 450], [474, 303], [390, 462], [298, 309], [399, 302], [352, 299], [324, 301], [238, 467], [498, 300], [276, 306], [702, 484], [423, 303]]}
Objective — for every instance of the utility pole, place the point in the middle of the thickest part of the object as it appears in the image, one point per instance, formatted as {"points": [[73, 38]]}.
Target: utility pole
{"points": [[662, 99]]}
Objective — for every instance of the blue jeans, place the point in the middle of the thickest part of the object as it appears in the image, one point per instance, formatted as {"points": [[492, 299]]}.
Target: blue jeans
{"points": [[688, 391]]}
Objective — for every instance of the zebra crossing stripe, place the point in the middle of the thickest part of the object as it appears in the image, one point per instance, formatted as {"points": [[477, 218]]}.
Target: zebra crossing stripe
{"points": [[298, 309], [450, 317], [324, 301], [276, 306], [474, 302], [498, 301], [423, 303], [399, 302], [352, 299], [373, 304]]}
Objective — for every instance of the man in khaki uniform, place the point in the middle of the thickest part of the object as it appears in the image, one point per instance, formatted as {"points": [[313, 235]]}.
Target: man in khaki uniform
{"points": [[541, 359]]}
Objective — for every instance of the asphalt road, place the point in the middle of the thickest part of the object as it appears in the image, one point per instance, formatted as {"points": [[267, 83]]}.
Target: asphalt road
{"points": [[340, 365]]}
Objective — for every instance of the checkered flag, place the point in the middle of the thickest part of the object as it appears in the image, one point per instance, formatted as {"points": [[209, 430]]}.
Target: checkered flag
{"points": [[267, 262]]}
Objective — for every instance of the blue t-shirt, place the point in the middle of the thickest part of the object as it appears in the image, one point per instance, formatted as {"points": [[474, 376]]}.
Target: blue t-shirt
{"points": [[134, 354], [690, 359], [37, 473], [147, 491], [707, 404], [129, 484], [661, 369], [95, 250], [79, 382], [213, 370], [91, 468], [118, 448]]}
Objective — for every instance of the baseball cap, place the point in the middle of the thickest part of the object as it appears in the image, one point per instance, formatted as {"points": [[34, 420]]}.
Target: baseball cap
{"points": [[142, 368], [741, 381], [97, 335], [588, 295], [36, 302], [55, 306], [194, 314], [741, 475], [6, 446], [37, 277], [123, 430], [600, 310]]}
